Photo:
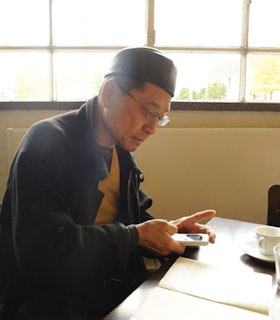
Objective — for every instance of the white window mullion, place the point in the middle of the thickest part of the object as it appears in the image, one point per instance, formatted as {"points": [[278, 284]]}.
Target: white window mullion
{"points": [[244, 48], [52, 91], [150, 23]]}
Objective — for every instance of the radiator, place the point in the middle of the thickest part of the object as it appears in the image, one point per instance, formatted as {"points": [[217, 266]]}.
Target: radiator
{"points": [[14, 136], [191, 169]]}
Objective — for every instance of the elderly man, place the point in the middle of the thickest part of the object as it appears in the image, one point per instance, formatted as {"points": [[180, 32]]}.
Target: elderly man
{"points": [[74, 222]]}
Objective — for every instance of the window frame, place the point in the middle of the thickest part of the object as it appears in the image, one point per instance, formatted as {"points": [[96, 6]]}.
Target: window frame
{"points": [[243, 50]]}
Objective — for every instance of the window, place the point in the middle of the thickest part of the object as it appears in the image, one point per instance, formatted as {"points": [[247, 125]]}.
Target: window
{"points": [[54, 50], [59, 50], [196, 23]]}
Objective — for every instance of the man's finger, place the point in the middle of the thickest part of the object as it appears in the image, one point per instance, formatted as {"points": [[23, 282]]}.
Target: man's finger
{"points": [[202, 215]]}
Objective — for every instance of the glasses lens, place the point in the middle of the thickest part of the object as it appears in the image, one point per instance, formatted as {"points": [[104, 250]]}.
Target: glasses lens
{"points": [[163, 121]]}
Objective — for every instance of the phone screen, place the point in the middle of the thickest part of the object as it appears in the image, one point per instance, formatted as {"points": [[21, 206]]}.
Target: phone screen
{"points": [[195, 236]]}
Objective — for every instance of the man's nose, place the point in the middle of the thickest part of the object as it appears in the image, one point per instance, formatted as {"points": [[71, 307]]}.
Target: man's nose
{"points": [[150, 126]]}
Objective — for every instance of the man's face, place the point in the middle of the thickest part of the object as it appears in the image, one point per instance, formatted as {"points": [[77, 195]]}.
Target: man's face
{"points": [[127, 118]]}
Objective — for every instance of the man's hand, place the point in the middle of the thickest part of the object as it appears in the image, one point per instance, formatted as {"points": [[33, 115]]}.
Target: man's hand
{"points": [[190, 224], [155, 235]]}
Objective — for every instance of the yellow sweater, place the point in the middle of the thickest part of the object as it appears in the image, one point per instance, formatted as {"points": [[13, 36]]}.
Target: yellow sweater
{"points": [[110, 186]]}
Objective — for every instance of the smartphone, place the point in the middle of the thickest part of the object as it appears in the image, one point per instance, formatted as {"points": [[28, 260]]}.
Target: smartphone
{"points": [[190, 240]]}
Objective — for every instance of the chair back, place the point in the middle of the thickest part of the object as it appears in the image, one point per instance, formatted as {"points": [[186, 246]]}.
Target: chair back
{"points": [[273, 210], [1, 275]]}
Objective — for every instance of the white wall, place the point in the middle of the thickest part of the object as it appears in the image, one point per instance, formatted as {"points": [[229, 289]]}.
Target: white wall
{"points": [[203, 159], [227, 169]]}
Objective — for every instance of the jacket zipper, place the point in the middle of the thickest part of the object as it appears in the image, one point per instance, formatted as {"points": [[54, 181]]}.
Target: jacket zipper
{"points": [[129, 198], [130, 216]]}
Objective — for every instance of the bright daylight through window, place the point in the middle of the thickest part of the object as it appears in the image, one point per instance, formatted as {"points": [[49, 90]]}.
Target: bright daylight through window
{"points": [[59, 50]]}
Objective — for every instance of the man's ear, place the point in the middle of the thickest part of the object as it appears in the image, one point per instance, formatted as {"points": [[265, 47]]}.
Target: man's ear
{"points": [[107, 93]]}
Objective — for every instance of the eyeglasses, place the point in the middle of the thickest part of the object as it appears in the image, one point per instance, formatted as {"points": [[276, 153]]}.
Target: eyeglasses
{"points": [[152, 116]]}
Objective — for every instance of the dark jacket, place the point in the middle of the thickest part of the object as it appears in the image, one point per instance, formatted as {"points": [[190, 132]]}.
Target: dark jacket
{"points": [[55, 262]]}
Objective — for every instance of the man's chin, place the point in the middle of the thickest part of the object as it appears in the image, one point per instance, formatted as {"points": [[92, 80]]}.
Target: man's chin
{"points": [[131, 147]]}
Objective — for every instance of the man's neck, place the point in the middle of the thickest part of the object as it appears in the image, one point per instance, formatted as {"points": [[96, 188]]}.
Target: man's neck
{"points": [[102, 134]]}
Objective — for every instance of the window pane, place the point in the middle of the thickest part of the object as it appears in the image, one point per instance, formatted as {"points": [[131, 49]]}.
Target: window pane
{"points": [[78, 75], [264, 23], [207, 76], [106, 22], [263, 78], [24, 76], [198, 22], [24, 22]]}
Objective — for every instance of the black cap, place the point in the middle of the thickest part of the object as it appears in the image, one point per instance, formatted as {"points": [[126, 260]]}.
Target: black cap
{"points": [[147, 64]]}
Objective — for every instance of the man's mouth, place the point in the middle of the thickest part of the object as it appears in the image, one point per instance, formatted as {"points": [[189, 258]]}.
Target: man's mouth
{"points": [[138, 140]]}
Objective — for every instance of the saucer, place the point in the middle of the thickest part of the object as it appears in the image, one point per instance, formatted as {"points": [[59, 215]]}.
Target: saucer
{"points": [[251, 248]]}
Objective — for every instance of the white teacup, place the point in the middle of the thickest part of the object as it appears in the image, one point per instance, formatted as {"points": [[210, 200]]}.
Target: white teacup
{"points": [[267, 238]]}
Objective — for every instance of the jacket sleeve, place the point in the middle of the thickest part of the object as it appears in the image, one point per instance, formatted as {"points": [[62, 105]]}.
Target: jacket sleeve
{"points": [[47, 245]]}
